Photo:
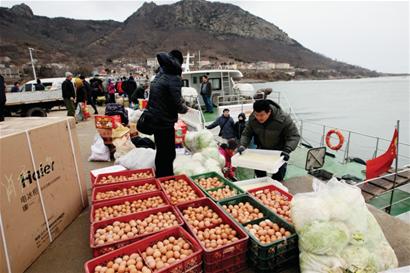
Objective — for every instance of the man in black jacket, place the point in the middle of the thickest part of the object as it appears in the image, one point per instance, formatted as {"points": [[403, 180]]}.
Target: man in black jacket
{"points": [[68, 94], [206, 93], [273, 129], [89, 93], [226, 124], [130, 87], [2, 97], [165, 102]]}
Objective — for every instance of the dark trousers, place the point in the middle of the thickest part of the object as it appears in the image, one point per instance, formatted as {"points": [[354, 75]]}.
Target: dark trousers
{"points": [[208, 103], [69, 104], [277, 176], [2, 106], [93, 101], [112, 98], [165, 147]]}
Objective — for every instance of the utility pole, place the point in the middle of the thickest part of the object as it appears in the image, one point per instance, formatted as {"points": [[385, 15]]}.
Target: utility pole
{"points": [[199, 59], [32, 63]]}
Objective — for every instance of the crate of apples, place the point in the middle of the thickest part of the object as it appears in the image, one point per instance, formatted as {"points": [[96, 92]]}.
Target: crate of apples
{"points": [[123, 176], [275, 199], [110, 234], [172, 250], [219, 236], [116, 191], [180, 189], [127, 205]]}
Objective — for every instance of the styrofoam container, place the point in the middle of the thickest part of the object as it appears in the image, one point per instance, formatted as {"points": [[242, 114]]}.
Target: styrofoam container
{"points": [[111, 169], [251, 184], [258, 159]]}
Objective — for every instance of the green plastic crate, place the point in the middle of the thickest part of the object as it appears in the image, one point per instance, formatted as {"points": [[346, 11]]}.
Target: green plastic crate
{"points": [[222, 179], [276, 264], [276, 251]]}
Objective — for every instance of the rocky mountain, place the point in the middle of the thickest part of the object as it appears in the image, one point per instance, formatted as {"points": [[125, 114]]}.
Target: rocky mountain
{"points": [[221, 31]]}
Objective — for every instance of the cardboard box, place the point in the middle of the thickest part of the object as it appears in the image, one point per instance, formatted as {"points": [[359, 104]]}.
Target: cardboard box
{"points": [[42, 188]]}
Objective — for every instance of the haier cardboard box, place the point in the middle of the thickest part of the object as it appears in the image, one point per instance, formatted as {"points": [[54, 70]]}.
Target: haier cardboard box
{"points": [[42, 188]]}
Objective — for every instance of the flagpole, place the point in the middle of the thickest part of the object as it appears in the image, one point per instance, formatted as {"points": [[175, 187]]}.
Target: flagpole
{"points": [[396, 166]]}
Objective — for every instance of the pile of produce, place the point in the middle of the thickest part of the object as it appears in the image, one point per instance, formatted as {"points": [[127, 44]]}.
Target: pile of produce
{"points": [[109, 212], [128, 263], [201, 217], [147, 187], [167, 252], [267, 231], [209, 183], [337, 233], [205, 155], [122, 178], [116, 232], [222, 193], [243, 212], [277, 202], [179, 191], [119, 231], [209, 227]]}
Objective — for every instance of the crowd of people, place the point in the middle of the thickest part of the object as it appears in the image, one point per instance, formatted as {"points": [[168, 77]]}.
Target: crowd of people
{"points": [[87, 92]]}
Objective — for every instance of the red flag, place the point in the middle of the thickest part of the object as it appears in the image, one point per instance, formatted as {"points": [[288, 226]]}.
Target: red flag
{"points": [[381, 164]]}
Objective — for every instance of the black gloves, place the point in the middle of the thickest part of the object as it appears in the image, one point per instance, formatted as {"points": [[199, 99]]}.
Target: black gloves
{"points": [[285, 155], [241, 149]]}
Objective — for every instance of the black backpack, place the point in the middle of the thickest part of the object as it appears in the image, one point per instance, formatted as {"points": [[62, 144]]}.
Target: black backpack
{"points": [[112, 109]]}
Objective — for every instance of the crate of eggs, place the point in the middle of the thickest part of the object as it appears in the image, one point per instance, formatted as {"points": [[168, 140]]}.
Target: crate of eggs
{"points": [[220, 237], [116, 191], [273, 240], [127, 205], [123, 176], [216, 187], [180, 189], [275, 199], [108, 235], [172, 251]]}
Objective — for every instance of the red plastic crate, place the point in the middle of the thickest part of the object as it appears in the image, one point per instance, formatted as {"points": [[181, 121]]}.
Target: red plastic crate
{"points": [[226, 263], [99, 250], [191, 264], [197, 190], [122, 173], [122, 200], [224, 252], [271, 188], [120, 186]]}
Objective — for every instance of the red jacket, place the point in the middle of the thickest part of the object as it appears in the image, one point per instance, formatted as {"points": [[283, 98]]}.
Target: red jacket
{"points": [[227, 154]]}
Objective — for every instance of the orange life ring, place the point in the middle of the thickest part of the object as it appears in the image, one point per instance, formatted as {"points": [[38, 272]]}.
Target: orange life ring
{"points": [[339, 135]]}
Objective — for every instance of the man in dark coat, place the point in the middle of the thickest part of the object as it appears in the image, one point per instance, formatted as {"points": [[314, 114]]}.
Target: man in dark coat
{"points": [[273, 129], [89, 93], [15, 88], [226, 123], [39, 86], [130, 87], [165, 102], [3, 98], [239, 126], [68, 94], [206, 93]]}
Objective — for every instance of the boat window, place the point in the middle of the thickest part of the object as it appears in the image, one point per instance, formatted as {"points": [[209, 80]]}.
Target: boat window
{"points": [[194, 80], [28, 87], [185, 83], [215, 83]]}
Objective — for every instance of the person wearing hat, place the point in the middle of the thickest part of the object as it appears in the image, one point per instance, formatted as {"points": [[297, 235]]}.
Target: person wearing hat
{"points": [[239, 126], [165, 102], [68, 94], [226, 124]]}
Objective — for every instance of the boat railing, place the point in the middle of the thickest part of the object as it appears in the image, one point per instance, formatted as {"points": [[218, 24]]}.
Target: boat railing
{"points": [[356, 145]]}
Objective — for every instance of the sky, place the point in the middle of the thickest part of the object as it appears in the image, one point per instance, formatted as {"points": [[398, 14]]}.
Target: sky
{"points": [[371, 34]]}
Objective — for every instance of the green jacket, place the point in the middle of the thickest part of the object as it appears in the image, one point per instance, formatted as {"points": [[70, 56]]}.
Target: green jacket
{"points": [[277, 133]]}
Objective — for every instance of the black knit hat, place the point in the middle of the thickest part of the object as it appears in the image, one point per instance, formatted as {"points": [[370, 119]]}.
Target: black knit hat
{"points": [[178, 55]]}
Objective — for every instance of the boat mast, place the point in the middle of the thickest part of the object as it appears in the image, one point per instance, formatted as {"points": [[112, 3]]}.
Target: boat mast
{"points": [[32, 63]]}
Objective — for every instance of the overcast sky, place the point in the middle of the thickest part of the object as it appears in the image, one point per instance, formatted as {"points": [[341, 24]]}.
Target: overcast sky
{"points": [[372, 34]]}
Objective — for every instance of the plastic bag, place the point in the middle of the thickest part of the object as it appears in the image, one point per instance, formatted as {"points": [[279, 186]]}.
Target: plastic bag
{"points": [[123, 145], [99, 152], [334, 222], [138, 158], [79, 113]]}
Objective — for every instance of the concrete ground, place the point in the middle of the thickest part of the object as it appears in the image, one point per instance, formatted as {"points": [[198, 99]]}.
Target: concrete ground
{"points": [[69, 252]]}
